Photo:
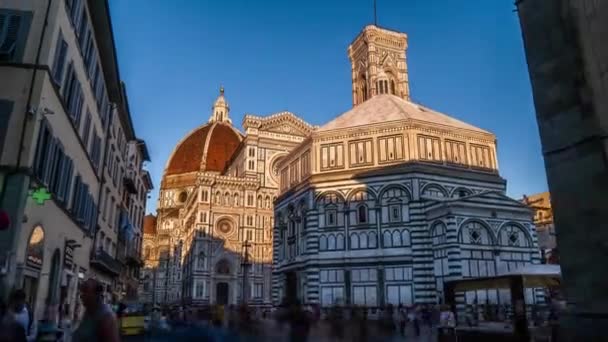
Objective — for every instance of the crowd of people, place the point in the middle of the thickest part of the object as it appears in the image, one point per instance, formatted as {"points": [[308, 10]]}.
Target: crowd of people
{"points": [[17, 322]]}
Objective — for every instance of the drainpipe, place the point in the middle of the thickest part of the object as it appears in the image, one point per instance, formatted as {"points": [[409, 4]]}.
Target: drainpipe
{"points": [[16, 169]]}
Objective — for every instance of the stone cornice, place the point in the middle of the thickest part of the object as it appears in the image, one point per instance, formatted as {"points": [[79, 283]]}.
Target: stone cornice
{"points": [[404, 125], [254, 121]]}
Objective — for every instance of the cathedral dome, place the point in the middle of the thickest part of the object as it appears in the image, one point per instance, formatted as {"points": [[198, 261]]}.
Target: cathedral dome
{"points": [[207, 148]]}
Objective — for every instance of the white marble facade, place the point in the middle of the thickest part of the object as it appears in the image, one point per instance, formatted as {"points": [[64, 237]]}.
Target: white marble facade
{"points": [[390, 199]]}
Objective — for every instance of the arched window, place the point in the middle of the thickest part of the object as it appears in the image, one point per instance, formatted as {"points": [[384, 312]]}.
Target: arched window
{"points": [[236, 199], [260, 201], [218, 198], [372, 240], [331, 242], [362, 214], [340, 241], [393, 87], [268, 202], [363, 240], [514, 236], [387, 239], [405, 238], [438, 234], [323, 242], [396, 238], [354, 241], [475, 233]]}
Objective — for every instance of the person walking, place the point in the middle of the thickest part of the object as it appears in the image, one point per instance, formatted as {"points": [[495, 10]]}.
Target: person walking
{"points": [[402, 316], [98, 322], [22, 314]]}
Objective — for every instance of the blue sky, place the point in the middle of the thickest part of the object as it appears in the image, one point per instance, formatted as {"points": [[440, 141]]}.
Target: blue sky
{"points": [[465, 59]]}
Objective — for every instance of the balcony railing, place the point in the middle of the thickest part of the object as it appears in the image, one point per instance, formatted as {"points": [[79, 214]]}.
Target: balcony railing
{"points": [[129, 181], [105, 262], [133, 258]]}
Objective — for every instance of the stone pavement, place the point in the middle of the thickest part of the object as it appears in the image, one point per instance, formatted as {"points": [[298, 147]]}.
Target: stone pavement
{"points": [[269, 330]]}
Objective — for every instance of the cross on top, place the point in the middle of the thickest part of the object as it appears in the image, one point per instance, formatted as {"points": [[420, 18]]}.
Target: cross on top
{"points": [[41, 195]]}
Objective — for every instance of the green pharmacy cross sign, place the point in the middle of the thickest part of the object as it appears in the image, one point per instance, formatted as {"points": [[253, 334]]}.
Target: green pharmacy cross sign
{"points": [[41, 195]]}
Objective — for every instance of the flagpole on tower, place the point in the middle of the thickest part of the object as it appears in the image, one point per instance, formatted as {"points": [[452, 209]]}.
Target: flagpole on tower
{"points": [[375, 15]]}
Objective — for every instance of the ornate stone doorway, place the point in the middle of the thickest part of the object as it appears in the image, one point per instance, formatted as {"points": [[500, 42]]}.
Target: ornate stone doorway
{"points": [[221, 293]]}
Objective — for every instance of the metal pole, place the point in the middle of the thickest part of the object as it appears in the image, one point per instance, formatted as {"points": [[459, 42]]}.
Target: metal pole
{"points": [[245, 265]]}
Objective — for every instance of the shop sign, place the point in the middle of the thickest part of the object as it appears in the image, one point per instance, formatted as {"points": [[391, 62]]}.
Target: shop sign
{"points": [[68, 255], [35, 248]]}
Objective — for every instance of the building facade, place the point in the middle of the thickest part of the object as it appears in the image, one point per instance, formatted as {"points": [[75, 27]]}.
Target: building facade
{"points": [[545, 227], [60, 94], [567, 59], [389, 200], [213, 237]]}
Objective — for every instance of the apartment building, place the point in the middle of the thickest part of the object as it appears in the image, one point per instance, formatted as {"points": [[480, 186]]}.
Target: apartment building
{"points": [[60, 95]]}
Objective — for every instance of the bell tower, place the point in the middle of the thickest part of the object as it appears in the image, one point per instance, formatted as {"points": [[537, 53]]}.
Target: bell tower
{"points": [[378, 64], [220, 109]]}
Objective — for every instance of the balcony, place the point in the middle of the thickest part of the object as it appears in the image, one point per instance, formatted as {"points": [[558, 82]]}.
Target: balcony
{"points": [[133, 258], [129, 182], [105, 262]]}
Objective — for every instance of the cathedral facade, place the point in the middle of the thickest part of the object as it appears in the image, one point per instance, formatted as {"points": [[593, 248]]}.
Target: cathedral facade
{"points": [[390, 199], [211, 241]]}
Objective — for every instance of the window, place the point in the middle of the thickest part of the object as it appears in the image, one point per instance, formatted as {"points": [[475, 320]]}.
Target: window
{"points": [[365, 295], [251, 165], [305, 164], [59, 61], [14, 27], [362, 214], [205, 196], [390, 148], [455, 152], [96, 151], [250, 200], [252, 151], [399, 294], [86, 129], [480, 156], [332, 295], [6, 110], [249, 236], [293, 172], [203, 217], [236, 199], [73, 96], [332, 156], [360, 153], [258, 290], [429, 148], [394, 212], [331, 217], [249, 220], [393, 87]]}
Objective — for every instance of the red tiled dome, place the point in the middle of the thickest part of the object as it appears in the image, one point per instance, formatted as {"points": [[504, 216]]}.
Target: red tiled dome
{"points": [[150, 224], [208, 148]]}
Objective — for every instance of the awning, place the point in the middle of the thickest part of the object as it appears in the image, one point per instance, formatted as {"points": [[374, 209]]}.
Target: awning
{"points": [[532, 275]]}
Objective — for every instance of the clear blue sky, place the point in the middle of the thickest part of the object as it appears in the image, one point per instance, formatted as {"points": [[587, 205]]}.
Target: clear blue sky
{"points": [[465, 59]]}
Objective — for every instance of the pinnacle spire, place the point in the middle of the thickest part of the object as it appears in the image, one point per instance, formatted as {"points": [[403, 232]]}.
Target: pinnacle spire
{"points": [[220, 109]]}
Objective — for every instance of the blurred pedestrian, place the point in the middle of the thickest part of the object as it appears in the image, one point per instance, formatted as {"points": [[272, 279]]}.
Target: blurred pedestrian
{"points": [[336, 322], [98, 322], [402, 318], [22, 314]]}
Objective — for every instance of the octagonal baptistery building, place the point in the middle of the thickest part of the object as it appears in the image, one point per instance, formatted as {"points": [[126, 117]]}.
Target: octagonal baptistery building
{"points": [[215, 211], [390, 199]]}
